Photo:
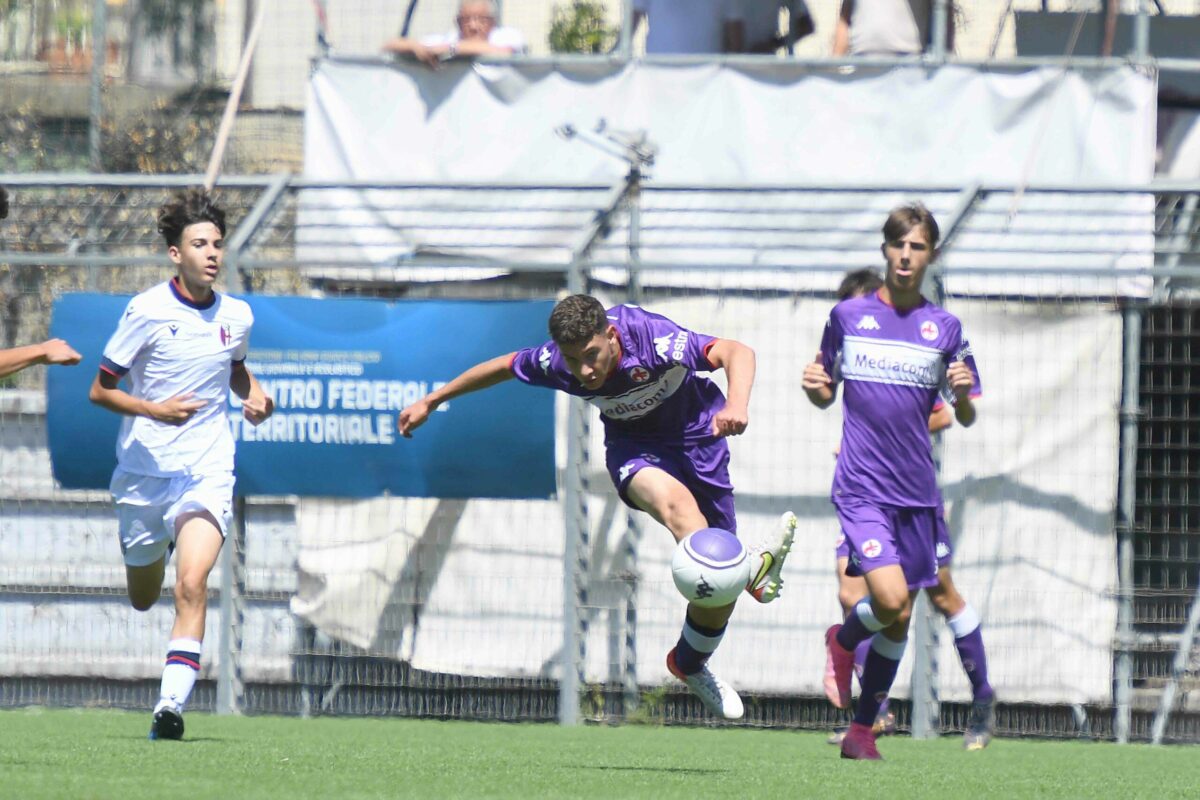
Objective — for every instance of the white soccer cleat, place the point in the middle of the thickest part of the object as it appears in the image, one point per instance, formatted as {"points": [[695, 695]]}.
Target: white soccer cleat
{"points": [[717, 695], [765, 582]]}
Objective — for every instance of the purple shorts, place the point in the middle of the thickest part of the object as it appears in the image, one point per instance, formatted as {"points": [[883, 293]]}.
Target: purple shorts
{"points": [[942, 546], [703, 468], [877, 536]]}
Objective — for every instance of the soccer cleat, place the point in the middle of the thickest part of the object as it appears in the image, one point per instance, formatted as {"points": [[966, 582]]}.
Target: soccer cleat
{"points": [[167, 723], [860, 744], [885, 724], [765, 584], [839, 667], [838, 736], [717, 695], [980, 725]]}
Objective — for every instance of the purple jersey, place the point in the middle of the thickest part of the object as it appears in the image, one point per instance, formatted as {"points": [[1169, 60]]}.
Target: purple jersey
{"points": [[654, 393], [892, 365]]}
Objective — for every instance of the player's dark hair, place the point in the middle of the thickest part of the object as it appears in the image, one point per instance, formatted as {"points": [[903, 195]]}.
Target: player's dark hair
{"points": [[188, 208], [859, 282], [3, 202], [576, 319], [903, 219]]}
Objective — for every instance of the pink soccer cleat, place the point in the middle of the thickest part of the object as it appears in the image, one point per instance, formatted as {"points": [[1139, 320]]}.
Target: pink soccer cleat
{"points": [[839, 668], [860, 743]]}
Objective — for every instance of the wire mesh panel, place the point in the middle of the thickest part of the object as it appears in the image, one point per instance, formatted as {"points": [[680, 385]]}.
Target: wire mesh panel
{"points": [[455, 607]]}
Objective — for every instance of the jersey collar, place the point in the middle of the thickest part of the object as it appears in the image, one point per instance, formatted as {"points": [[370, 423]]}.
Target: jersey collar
{"points": [[181, 297]]}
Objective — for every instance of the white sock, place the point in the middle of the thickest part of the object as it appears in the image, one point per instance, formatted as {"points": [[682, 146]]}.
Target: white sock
{"points": [[179, 675]]}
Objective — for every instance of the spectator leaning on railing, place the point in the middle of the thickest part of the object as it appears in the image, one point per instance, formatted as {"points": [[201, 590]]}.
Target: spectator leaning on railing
{"points": [[475, 34]]}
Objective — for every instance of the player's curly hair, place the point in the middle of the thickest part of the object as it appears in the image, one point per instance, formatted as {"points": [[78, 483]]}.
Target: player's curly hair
{"points": [[3, 202], [903, 219], [188, 208], [576, 319], [859, 282]]}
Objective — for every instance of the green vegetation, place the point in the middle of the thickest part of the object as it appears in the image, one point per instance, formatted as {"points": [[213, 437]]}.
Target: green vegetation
{"points": [[580, 27]]}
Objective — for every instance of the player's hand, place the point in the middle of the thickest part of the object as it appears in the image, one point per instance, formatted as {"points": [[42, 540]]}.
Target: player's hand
{"points": [[257, 407], [960, 378], [412, 418], [730, 421], [815, 376], [57, 351], [177, 410]]}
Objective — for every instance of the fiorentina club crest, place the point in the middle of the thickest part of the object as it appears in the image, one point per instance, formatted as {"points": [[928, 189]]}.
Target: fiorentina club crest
{"points": [[639, 374], [929, 330], [872, 548], [226, 336]]}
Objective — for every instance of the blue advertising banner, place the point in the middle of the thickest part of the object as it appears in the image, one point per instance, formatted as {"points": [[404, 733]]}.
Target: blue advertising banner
{"points": [[340, 371]]}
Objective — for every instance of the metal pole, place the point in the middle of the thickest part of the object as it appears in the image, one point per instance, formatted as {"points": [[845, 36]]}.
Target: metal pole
{"points": [[574, 546], [1183, 657], [95, 100], [1141, 33], [926, 710], [938, 22], [626, 48], [1123, 679], [630, 690], [634, 194], [233, 585]]}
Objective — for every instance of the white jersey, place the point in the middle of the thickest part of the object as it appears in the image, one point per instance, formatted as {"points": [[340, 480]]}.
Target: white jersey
{"points": [[169, 346]]}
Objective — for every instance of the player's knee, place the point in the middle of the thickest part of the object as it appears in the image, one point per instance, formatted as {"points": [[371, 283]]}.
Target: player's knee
{"points": [[191, 589], [848, 598], [891, 607]]}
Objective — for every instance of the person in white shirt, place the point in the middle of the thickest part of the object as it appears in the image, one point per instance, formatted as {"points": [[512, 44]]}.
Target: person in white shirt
{"points": [[887, 27], [51, 351], [690, 27], [476, 34], [182, 347]]}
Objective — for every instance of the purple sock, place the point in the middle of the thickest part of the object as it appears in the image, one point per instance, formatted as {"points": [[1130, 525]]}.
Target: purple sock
{"points": [[860, 658], [974, 661], [878, 674]]}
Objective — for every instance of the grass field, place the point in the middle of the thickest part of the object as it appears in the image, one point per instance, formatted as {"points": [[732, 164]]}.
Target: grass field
{"points": [[83, 754]]}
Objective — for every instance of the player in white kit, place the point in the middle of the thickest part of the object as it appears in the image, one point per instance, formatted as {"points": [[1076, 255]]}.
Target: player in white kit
{"points": [[181, 346]]}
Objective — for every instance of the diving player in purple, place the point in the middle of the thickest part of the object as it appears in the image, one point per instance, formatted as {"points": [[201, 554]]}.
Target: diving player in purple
{"points": [[664, 436], [894, 351]]}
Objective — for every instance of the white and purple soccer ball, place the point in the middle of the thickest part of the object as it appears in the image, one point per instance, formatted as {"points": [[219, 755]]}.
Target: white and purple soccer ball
{"points": [[710, 567]]}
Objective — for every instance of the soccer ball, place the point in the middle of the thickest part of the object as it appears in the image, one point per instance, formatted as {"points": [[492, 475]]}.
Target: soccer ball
{"points": [[710, 567]]}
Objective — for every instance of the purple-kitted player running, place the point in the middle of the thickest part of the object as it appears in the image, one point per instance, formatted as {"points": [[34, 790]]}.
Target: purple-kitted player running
{"points": [[664, 435], [962, 619], [894, 351]]}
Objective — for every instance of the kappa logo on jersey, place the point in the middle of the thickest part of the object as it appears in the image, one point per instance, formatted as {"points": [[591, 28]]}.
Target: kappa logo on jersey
{"points": [[676, 346], [929, 330], [639, 374], [626, 468], [544, 359], [226, 335], [867, 323], [943, 550], [872, 548]]}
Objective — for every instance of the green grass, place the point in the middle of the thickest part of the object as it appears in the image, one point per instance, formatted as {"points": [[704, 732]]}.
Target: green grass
{"points": [[81, 754]]}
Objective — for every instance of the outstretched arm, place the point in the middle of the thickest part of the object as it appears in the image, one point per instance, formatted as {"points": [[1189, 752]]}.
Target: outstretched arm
{"points": [[481, 376], [54, 351], [256, 404], [738, 361]]}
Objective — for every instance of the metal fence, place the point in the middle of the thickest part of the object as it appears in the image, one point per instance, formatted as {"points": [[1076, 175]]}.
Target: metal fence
{"points": [[752, 262]]}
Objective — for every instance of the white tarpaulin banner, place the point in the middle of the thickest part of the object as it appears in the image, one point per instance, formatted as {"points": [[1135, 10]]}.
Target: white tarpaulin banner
{"points": [[771, 125], [476, 588]]}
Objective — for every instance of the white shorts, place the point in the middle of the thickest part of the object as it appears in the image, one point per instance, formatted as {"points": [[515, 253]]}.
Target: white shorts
{"points": [[147, 508]]}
